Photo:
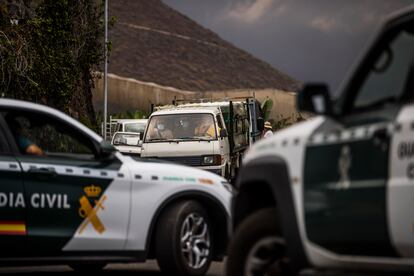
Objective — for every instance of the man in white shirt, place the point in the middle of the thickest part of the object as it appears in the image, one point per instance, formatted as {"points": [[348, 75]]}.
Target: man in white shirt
{"points": [[268, 130]]}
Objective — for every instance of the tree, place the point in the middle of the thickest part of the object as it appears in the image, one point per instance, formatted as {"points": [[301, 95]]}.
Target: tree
{"points": [[48, 52]]}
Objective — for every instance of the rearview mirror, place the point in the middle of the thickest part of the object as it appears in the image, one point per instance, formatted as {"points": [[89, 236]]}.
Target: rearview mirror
{"points": [[314, 98], [223, 133], [106, 150]]}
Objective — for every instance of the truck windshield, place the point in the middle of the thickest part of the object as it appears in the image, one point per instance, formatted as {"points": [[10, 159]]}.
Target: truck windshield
{"points": [[181, 127]]}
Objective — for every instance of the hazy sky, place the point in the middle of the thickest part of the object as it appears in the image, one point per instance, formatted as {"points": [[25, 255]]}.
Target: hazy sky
{"points": [[310, 40]]}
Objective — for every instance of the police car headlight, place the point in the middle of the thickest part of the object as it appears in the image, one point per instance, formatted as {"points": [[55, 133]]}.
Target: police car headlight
{"points": [[209, 160]]}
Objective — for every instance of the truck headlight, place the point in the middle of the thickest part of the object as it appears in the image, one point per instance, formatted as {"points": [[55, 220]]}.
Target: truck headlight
{"points": [[210, 160]]}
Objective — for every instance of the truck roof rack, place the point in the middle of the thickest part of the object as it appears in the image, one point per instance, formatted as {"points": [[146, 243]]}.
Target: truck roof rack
{"points": [[208, 100]]}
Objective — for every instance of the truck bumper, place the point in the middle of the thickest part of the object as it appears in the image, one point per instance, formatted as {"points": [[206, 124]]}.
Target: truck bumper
{"points": [[214, 169]]}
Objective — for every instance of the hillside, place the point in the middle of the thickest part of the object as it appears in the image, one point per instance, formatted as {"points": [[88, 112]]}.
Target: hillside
{"points": [[154, 43]]}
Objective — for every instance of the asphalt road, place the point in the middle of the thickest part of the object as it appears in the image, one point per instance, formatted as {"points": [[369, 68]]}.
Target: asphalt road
{"points": [[149, 268]]}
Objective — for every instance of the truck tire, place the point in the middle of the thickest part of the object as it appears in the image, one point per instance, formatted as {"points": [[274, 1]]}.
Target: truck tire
{"points": [[257, 247], [183, 244]]}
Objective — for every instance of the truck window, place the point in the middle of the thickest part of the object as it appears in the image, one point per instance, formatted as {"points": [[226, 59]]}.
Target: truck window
{"points": [[219, 123], [181, 127], [134, 127], [385, 83]]}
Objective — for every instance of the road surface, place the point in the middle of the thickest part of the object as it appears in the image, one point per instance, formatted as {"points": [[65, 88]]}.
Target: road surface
{"points": [[150, 268]]}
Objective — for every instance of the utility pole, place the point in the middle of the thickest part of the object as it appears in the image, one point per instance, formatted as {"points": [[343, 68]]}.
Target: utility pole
{"points": [[106, 72]]}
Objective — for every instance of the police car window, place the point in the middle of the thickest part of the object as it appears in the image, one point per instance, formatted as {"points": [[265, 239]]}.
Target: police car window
{"points": [[42, 136], [3, 145], [385, 82]]}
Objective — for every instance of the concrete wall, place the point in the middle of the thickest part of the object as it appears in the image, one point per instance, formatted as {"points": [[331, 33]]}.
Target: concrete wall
{"points": [[130, 94]]}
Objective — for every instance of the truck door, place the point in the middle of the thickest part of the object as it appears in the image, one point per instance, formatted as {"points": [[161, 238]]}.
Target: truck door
{"points": [[12, 202], [357, 195], [77, 202]]}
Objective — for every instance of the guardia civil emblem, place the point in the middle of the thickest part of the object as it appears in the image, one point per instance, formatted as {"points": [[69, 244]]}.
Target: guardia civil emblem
{"points": [[89, 211]]}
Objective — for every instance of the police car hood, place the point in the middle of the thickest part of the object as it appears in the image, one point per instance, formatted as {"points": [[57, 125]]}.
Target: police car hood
{"points": [[163, 171]]}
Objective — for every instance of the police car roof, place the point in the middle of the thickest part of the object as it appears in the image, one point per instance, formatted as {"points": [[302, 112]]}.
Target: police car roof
{"points": [[18, 104]]}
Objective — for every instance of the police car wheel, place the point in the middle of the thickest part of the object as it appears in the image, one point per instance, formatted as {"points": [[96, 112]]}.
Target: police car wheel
{"points": [[88, 267], [257, 247], [183, 241]]}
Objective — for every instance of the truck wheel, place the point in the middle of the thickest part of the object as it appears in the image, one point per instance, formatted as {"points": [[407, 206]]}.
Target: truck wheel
{"points": [[183, 244], [257, 247]]}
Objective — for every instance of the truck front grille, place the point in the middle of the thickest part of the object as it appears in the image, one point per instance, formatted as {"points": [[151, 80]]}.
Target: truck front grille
{"points": [[193, 161]]}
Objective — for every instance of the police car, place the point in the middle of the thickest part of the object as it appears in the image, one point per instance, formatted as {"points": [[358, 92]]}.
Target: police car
{"points": [[68, 197], [337, 191]]}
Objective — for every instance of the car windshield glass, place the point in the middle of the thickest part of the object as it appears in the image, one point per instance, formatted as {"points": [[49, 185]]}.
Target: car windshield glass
{"points": [[126, 139], [135, 127], [386, 82], [181, 127]]}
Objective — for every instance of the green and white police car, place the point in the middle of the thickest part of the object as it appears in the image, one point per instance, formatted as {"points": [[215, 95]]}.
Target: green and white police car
{"points": [[336, 191], [68, 197]]}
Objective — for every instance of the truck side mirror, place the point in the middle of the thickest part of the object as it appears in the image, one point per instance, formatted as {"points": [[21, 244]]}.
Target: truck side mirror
{"points": [[223, 133], [260, 124], [314, 98]]}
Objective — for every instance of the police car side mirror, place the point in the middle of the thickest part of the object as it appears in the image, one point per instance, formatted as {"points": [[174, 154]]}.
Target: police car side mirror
{"points": [[223, 133], [106, 151], [140, 143], [314, 98]]}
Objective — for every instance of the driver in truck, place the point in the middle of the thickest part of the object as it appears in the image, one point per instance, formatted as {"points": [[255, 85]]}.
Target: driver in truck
{"points": [[160, 131], [205, 128]]}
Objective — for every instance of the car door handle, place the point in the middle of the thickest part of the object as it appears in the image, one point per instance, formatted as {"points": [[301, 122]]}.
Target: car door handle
{"points": [[43, 171]]}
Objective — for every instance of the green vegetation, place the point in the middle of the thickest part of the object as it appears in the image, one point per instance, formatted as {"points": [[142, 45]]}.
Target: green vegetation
{"points": [[282, 122], [48, 52], [267, 106], [136, 114]]}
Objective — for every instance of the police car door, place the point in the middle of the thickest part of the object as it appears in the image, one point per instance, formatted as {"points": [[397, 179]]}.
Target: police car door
{"points": [[358, 190], [76, 201], [12, 202]]}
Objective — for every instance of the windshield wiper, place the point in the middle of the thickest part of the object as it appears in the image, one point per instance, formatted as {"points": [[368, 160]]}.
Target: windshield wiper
{"points": [[157, 139], [203, 139]]}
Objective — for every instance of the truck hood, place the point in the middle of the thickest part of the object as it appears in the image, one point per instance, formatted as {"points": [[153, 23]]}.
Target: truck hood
{"points": [[129, 149], [187, 148]]}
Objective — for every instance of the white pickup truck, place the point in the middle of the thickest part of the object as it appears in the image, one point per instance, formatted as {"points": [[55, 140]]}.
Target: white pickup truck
{"points": [[212, 136]]}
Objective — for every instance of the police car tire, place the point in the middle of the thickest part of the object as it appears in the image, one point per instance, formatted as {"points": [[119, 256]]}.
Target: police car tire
{"points": [[168, 239], [88, 267], [259, 226]]}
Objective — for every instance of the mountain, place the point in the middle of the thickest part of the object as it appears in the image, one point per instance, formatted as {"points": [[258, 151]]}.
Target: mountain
{"points": [[152, 42]]}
